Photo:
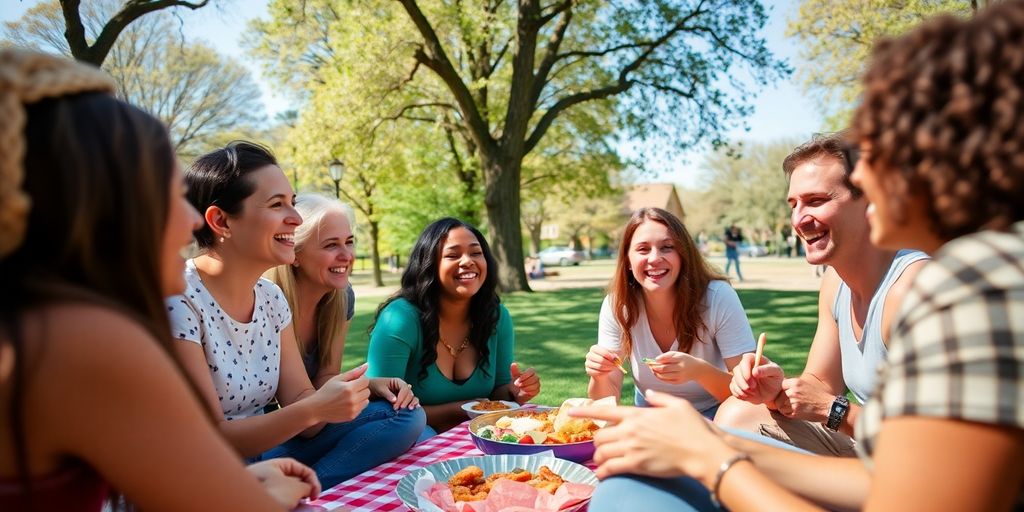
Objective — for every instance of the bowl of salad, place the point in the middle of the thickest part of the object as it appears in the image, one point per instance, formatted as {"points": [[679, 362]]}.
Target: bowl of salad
{"points": [[534, 430]]}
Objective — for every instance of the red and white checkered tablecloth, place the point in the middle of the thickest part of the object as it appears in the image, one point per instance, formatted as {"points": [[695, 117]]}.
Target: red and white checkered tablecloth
{"points": [[375, 489]]}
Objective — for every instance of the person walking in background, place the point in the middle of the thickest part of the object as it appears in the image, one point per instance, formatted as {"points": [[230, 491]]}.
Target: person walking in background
{"points": [[732, 238], [679, 323]]}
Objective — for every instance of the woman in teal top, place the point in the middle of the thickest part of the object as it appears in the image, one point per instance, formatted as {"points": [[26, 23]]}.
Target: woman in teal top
{"points": [[445, 331]]}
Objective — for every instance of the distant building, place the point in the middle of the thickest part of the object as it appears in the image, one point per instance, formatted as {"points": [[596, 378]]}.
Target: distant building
{"points": [[655, 195]]}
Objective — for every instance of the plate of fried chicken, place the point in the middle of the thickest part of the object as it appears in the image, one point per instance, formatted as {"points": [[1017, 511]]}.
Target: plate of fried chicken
{"points": [[495, 482]]}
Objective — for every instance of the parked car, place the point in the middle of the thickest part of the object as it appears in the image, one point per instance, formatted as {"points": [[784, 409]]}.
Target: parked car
{"points": [[752, 250], [561, 256]]}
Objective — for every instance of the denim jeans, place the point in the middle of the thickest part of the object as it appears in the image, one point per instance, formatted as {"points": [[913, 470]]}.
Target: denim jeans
{"points": [[730, 259], [640, 401], [343, 450], [681, 494]]}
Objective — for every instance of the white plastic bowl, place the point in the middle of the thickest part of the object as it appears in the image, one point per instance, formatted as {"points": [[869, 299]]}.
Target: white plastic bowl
{"points": [[473, 413]]}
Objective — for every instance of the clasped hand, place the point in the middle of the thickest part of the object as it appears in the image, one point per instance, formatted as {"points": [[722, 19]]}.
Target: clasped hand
{"points": [[760, 385], [525, 384], [287, 480], [394, 390], [676, 367], [344, 396]]}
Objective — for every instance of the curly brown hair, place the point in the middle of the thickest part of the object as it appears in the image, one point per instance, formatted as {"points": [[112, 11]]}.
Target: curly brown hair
{"points": [[943, 109]]}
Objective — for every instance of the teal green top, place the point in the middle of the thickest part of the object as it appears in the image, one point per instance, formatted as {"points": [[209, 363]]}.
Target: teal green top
{"points": [[396, 349]]}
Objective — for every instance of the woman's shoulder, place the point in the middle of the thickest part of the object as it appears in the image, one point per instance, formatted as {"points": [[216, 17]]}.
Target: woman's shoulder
{"points": [[269, 289], [719, 289], [76, 333], [398, 312]]}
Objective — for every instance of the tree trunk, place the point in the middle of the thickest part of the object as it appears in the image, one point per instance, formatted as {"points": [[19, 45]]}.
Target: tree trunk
{"points": [[501, 198], [535, 238], [375, 252]]}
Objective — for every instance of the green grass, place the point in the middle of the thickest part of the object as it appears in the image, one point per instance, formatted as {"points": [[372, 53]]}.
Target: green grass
{"points": [[555, 329]]}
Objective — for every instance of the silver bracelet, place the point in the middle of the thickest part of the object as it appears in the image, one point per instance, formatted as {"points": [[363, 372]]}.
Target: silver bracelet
{"points": [[730, 462]]}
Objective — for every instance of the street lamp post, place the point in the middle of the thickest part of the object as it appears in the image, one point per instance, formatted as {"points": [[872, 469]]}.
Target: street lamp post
{"points": [[337, 170]]}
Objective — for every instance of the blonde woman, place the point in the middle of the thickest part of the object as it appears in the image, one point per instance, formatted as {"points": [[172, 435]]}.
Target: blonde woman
{"points": [[318, 291], [237, 341]]}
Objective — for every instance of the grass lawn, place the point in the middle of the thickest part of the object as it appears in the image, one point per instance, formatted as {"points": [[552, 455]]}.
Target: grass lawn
{"points": [[554, 330]]}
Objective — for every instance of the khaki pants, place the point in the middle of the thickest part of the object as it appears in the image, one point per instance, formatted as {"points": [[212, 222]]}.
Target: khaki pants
{"points": [[811, 436]]}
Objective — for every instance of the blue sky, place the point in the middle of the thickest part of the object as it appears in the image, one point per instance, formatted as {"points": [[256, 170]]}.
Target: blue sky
{"points": [[781, 111]]}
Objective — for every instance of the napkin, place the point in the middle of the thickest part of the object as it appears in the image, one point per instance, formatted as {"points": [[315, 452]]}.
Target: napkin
{"points": [[505, 496]]}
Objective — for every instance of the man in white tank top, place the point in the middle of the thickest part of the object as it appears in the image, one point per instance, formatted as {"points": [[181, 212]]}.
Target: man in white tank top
{"points": [[859, 297]]}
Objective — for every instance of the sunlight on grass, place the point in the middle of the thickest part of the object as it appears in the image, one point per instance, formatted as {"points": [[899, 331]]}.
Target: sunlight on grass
{"points": [[555, 329]]}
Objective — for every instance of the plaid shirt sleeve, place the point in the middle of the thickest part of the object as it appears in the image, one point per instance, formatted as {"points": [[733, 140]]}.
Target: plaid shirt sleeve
{"points": [[957, 350]]}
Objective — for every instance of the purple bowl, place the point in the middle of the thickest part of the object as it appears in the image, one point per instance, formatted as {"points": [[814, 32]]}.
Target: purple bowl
{"points": [[576, 452]]}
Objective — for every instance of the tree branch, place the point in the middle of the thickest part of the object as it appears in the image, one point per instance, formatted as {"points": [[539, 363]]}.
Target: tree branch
{"points": [[132, 10], [439, 62], [551, 52], [623, 84]]}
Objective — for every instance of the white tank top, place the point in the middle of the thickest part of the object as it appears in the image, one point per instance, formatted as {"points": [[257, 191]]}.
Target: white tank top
{"points": [[862, 358]]}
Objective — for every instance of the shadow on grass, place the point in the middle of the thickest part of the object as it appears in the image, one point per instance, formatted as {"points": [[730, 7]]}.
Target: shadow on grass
{"points": [[554, 330]]}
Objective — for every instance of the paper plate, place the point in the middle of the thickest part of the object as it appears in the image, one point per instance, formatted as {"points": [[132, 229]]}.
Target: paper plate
{"points": [[442, 471]]}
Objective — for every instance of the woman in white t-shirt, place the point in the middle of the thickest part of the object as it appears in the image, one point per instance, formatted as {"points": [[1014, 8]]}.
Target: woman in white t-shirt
{"points": [[238, 344], [675, 318]]}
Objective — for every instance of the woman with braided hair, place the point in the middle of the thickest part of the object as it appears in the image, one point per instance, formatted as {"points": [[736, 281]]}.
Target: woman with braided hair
{"points": [[940, 130], [92, 216]]}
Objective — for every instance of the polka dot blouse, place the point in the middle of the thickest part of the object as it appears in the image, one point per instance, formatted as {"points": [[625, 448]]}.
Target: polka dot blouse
{"points": [[243, 357]]}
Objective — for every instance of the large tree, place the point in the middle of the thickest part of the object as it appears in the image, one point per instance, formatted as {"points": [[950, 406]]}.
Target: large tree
{"points": [[836, 37], [503, 73], [195, 91]]}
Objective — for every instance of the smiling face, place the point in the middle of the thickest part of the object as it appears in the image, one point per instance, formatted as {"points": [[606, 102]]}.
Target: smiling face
{"points": [[889, 229], [461, 266], [824, 212], [265, 228], [653, 257], [325, 260], [182, 220]]}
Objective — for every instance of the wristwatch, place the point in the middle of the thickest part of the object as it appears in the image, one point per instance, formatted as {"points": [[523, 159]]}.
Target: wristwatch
{"points": [[840, 406]]}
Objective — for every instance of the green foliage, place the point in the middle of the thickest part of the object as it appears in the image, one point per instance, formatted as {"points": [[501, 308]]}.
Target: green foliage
{"points": [[749, 190], [555, 329], [836, 38], [506, 81]]}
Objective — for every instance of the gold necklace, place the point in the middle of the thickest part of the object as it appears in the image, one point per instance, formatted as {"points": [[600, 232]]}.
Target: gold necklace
{"points": [[455, 351]]}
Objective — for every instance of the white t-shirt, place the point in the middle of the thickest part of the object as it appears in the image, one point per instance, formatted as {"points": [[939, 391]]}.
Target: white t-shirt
{"points": [[726, 334], [244, 357]]}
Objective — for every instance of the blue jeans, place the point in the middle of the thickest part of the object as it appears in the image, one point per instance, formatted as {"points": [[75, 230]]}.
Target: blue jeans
{"points": [[343, 450], [731, 258], [640, 401], [681, 494]]}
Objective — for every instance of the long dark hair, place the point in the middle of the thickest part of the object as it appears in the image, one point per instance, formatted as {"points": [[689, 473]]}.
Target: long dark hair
{"points": [[695, 274], [421, 286], [98, 175]]}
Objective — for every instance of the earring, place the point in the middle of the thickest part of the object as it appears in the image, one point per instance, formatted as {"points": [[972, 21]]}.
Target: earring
{"points": [[222, 239]]}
